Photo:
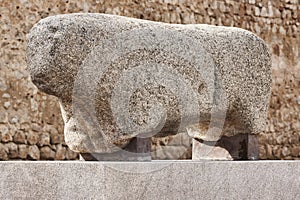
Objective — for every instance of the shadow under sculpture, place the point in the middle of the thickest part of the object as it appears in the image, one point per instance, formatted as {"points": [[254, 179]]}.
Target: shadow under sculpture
{"points": [[122, 81]]}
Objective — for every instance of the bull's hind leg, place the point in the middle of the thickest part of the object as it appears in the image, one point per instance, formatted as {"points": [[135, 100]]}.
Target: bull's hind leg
{"points": [[238, 147]]}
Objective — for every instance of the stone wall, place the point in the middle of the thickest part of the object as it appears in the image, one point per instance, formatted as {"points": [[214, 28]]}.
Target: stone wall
{"points": [[30, 123]]}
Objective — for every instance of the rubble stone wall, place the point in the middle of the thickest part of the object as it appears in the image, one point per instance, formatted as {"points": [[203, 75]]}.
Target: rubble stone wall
{"points": [[31, 126]]}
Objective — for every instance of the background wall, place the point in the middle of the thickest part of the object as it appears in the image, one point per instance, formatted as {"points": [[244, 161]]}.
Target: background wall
{"points": [[31, 126]]}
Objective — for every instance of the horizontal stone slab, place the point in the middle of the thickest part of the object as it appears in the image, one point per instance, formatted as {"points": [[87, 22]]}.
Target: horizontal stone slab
{"points": [[150, 180]]}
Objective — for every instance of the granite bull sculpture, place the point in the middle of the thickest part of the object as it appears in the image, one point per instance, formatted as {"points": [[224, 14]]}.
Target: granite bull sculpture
{"points": [[121, 80]]}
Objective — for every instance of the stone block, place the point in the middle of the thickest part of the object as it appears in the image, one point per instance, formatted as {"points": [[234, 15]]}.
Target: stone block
{"points": [[32, 137], [23, 151], [60, 153], [33, 152], [12, 150], [19, 137], [150, 180], [3, 152], [46, 153], [44, 139]]}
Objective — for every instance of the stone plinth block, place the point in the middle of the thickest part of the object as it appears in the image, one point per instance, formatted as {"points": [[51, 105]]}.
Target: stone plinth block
{"points": [[150, 180], [121, 78]]}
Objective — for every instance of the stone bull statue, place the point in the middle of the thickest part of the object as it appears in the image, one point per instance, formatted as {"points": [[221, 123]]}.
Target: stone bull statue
{"points": [[121, 81]]}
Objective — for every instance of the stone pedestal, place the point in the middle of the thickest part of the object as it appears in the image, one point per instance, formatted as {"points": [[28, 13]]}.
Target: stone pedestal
{"points": [[139, 149], [238, 147], [150, 180]]}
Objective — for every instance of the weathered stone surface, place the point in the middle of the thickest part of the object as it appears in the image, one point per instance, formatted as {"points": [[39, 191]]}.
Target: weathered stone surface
{"points": [[90, 58], [6, 137], [12, 149], [23, 151], [44, 139], [4, 134], [33, 152], [60, 152], [20, 137], [3, 116], [163, 180], [47, 153], [175, 146], [3, 152], [71, 155], [55, 137], [36, 127], [32, 138]]}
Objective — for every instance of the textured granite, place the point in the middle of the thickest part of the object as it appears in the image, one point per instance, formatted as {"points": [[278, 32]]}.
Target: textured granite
{"points": [[118, 78], [150, 180]]}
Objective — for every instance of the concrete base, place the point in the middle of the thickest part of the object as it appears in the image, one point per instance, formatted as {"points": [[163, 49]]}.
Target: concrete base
{"points": [[150, 180]]}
